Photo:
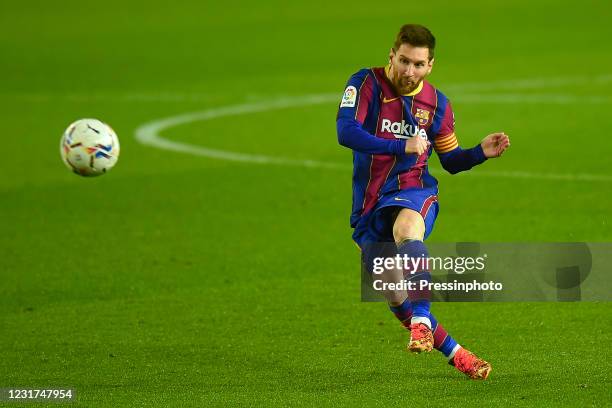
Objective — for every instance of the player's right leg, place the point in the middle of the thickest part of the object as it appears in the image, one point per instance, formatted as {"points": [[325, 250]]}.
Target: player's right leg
{"points": [[402, 306], [408, 233]]}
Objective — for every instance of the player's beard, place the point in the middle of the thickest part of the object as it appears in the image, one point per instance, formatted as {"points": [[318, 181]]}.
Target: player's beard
{"points": [[403, 85], [407, 86]]}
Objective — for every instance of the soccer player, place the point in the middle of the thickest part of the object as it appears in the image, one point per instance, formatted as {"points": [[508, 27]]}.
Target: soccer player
{"points": [[392, 119]]}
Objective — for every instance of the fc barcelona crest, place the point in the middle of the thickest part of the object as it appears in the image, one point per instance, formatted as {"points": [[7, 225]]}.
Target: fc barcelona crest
{"points": [[422, 116]]}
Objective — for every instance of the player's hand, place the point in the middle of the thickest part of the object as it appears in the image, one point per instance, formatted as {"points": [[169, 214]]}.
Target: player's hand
{"points": [[417, 145], [495, 144]]}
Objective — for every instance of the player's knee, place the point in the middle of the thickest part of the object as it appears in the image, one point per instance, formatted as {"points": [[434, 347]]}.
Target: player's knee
{"points": [[408, 225], [404, 232]]}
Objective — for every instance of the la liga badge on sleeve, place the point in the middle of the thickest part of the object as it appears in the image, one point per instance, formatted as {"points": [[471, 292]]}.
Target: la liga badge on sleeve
{"points": [[349, 97]]}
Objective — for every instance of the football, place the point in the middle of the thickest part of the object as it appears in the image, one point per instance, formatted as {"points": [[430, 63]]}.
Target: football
{"points": [[89, 147]]}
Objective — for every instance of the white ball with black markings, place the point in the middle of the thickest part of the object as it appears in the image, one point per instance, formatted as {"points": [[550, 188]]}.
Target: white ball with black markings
{"points": [[89, 147]]}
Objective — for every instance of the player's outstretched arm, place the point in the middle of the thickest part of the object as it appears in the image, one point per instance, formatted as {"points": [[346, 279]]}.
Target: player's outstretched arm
{"points": [[454, 159], [495, 144]]}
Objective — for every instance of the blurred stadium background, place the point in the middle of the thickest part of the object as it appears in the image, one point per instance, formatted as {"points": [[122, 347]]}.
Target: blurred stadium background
{"points": [[183, 280]]}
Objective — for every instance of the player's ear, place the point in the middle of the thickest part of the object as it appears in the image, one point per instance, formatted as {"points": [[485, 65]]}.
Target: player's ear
{"points": [[391, 54], [430, 66]]}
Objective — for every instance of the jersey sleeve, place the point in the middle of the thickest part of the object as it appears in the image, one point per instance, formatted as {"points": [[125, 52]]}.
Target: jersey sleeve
{"points": [[445, 140], [353, 110], [357, 97], [453, 158]]}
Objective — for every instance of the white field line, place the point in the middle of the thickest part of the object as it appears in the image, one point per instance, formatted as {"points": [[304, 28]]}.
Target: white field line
{"points": [[149, 134]]}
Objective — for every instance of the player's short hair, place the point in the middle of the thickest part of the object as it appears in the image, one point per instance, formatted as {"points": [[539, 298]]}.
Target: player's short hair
{"points": [[417, 36]]}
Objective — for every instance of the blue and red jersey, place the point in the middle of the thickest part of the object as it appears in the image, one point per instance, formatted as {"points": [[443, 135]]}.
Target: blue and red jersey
{"points": [[375, 122]]}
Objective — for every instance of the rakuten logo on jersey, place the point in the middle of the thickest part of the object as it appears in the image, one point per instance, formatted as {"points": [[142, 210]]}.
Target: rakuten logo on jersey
{"points": [[402, 130]]}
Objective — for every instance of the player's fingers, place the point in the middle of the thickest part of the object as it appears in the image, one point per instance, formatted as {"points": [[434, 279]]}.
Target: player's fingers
{"points": [[492, 138], [420, 146], [502, 148], [503, 141]]}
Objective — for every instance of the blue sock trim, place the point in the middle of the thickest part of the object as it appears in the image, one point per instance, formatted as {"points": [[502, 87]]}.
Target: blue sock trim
{"points": [[448, 345], [434, 322], [413, 247], [420, 308]]}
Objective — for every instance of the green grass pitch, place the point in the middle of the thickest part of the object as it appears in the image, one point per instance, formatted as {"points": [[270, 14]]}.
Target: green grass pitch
{"points": [[181, 280]]}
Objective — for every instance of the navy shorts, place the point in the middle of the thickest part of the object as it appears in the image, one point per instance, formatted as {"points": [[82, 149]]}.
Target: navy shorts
{"points": [[377, 225]]}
